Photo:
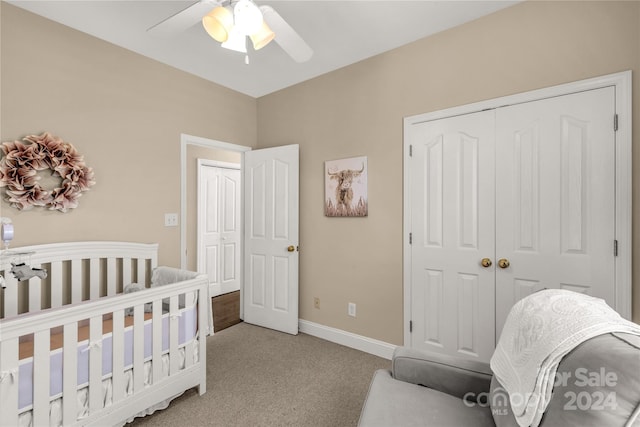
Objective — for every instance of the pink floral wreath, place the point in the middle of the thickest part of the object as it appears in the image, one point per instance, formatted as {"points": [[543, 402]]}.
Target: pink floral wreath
{"points": [[20, 166]]}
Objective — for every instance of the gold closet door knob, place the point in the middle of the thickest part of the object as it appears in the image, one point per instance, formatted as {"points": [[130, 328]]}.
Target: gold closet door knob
{"points": [[503, 263], [291, 248], [486, 262]]}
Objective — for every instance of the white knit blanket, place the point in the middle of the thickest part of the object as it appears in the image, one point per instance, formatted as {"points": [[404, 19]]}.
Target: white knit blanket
{"points": [[540, 330]]}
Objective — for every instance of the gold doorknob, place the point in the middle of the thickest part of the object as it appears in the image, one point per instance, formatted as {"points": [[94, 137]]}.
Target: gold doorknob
{"points": [[291, 248], [503, 263], [486, 262]]}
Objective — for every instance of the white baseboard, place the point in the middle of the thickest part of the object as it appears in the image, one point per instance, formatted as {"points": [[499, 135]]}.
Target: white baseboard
{"points": [[348, 339]]}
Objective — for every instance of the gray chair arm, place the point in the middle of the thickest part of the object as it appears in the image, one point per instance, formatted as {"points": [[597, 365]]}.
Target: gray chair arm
{"points": [[455, 376]]}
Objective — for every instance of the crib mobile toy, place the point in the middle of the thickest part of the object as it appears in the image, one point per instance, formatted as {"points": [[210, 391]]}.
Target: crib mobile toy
{"points": [[20, 269]]}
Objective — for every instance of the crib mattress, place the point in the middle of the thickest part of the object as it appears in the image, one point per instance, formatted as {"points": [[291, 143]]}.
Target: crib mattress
{"points": [[26, 347], [187, 332]]}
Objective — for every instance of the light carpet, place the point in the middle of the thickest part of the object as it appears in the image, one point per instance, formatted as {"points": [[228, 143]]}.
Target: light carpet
{"points": [[260, 377]]}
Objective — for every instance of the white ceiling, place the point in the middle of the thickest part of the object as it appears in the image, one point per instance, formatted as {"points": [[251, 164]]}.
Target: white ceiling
{"points": [[339, 32]]}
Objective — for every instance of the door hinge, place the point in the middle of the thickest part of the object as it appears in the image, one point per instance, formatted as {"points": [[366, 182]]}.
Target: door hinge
{"points": [[615, 248], [410, 325], [615, 122], [410, 150], [410, 238]]}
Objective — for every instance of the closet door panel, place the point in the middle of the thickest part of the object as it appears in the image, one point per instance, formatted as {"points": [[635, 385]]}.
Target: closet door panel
{"points": [[452, 191], [555, 197]]}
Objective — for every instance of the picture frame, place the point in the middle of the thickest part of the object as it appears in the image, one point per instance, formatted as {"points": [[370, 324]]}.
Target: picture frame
{"points": [[346, 192]]}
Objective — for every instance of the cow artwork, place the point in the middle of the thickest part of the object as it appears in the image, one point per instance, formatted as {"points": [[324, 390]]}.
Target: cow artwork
{"points": [[346, 187]]}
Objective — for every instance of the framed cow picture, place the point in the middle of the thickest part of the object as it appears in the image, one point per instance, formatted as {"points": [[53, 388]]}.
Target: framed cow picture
{"points": [[345, 187]]}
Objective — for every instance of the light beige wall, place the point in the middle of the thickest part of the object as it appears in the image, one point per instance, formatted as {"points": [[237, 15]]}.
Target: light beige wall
{"points": [[359, 110], [124, 113]]}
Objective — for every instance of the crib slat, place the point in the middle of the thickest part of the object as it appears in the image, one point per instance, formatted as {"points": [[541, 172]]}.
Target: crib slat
{"points": [[191, 298], [10, 296], [35, 292], [157, 341], [70, 378], [118, 355], [41, 377], [9, 382], [94, 278], [126, 271], [188, 354], [141, 271], [55, 273], [174, 321], [111, 276], [138, 348], [95, 364], [76, 281]]}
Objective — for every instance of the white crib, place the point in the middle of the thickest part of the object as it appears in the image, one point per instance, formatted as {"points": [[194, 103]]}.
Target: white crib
{"points": [[131, 353]]}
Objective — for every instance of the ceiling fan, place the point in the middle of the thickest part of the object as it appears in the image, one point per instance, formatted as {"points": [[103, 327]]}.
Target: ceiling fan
{"points": [[230, 22]]}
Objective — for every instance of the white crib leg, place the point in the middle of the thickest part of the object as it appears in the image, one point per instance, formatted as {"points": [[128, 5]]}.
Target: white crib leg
{"points": [[9, 382]]}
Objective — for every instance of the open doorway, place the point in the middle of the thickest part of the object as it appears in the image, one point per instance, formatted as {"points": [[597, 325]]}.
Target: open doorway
{"points": [[192, 148], [195, 150], [270, 209]]}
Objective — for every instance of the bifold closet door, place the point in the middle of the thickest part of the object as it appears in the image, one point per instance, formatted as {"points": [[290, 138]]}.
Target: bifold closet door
{"points": [[452, 222], [555, 197], [219, 227], [504, 203]]}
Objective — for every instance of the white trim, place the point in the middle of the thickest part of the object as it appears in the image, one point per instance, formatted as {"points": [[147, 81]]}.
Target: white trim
{"points": [[406, 229], [185, 140], [624, 214], [622, 83], [348, 339], [219, 164]]}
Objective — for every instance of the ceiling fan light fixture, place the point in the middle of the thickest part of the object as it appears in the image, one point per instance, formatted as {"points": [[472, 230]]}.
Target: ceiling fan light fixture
{"points": [[247, 17], [218, 23], [262, 37]]}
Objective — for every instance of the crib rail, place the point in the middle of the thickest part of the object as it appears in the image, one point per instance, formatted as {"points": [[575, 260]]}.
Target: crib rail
{"points": [[39, 325], [77, 271]]}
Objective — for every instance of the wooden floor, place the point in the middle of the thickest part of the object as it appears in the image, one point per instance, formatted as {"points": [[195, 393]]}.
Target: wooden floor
{"points": [[226, 310]]}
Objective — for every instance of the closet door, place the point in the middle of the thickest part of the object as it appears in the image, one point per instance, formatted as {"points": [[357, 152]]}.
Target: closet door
{"points": [[452, 223], [555, 197], [219, 227]]}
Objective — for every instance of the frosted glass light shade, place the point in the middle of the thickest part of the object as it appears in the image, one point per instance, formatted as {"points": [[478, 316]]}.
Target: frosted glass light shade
{"points": [[218, 23], [248, 18], [236, 41], [262, 37]]}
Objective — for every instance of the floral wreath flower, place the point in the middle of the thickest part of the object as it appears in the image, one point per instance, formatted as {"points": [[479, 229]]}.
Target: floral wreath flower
{"points": [[22, 161]]}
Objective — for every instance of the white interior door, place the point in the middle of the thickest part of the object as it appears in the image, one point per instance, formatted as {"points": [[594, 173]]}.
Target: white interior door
{"points": [[270, 291], [555, 196], [219, 225], [452, 211]]}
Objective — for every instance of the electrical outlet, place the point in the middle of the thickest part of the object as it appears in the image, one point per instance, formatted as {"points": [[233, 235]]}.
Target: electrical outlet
{"points": [[316, 303], [171, 220], [352, 309]]}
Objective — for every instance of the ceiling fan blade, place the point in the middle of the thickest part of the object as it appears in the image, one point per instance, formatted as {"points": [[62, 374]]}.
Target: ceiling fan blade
{"points": [[184, 19], [288, 39]]}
